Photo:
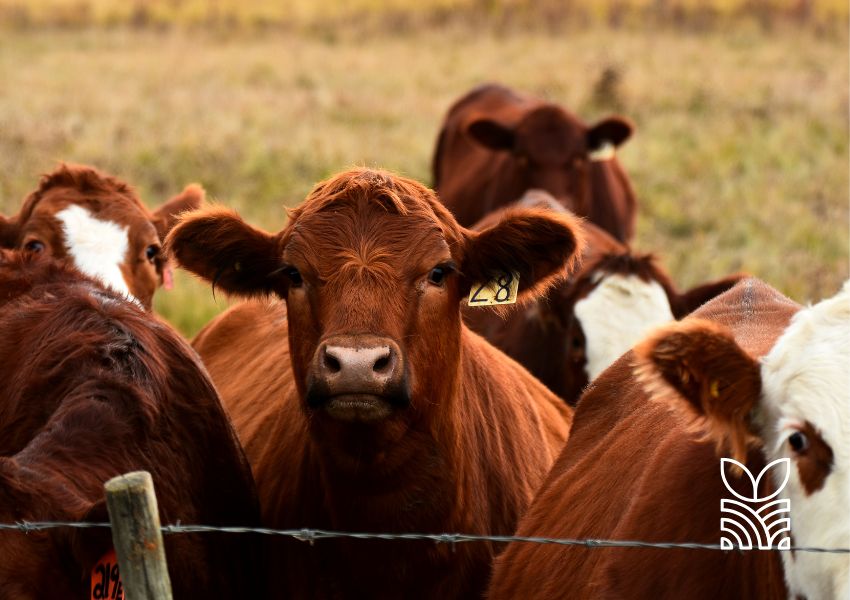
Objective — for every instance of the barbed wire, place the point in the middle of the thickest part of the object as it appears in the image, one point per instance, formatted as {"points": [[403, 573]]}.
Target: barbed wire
{"points": [[313, 535]]}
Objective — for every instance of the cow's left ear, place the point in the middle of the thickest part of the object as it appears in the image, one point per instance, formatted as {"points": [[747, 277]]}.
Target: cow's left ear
{"points": [[539, 245], [718, 380], [614, 130], [683, 304], [167, 215]]}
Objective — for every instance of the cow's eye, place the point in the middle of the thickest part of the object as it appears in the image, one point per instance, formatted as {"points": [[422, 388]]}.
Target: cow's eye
{"points": [[798, 441], [34, 246], [151, 252], [294, 277], [438, 274]]}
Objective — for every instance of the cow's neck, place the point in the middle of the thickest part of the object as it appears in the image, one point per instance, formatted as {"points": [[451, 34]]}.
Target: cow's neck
{"points": [[390, 476]]}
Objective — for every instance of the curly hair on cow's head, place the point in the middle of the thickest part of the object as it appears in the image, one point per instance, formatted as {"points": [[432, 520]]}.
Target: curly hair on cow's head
{"points": [[394, 193], [83, 178]]}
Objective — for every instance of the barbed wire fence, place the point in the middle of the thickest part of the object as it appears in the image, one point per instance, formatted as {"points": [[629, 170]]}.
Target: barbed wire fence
{"points": [[142, 569], [313, 535]]}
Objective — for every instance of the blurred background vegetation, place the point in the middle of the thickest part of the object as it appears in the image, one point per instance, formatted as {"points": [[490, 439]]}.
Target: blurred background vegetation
{"points": [[740, 159]]}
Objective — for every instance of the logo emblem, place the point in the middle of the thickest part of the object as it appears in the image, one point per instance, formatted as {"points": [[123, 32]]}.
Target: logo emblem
{"points": [[752, 521]]}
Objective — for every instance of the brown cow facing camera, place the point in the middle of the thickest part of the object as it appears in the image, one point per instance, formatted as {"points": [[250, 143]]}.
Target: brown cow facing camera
{"points": [[582, 324], [496, 143], [363, 402], [100, 224], [92, 386]]}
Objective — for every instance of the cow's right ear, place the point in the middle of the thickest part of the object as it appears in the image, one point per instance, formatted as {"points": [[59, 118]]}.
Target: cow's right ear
{"points": [[166, 216], [491, 134], [219, 246], [8, 232], [719, 381]]}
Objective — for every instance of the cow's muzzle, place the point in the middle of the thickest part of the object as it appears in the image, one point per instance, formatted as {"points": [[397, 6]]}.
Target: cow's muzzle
{"points": [[358, 378]]}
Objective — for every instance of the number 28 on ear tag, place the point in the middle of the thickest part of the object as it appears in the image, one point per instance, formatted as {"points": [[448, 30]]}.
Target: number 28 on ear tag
{"points": [[501, 289]]}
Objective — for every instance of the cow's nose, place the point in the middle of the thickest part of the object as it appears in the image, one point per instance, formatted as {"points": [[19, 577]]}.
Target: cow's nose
{"points": [[356, 367], [365, 364]]}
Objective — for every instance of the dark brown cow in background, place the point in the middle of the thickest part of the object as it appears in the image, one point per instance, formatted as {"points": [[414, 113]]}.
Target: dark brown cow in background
{"points": [[363, 402], [633, 469], [99, 223], [568, 336], [92, 386], [496, 143]]}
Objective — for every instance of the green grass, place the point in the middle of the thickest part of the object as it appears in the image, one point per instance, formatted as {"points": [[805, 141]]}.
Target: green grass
{"points": [[740, 158]]}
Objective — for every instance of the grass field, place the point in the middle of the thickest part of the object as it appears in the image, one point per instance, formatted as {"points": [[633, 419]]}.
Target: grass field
{"points": [[740, 158]]}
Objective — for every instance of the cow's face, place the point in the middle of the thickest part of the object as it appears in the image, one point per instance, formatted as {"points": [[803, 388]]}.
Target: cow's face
{"points": [[372, 294], [794, 403], [610, 303], [552, 150], [99, 224], [373, 270]]}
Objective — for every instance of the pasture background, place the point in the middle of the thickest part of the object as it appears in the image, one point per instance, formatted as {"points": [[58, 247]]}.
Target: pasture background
{"points": [[740, 159]]}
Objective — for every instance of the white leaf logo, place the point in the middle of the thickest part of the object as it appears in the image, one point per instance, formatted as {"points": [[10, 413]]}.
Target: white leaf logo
{"points": [[752, 519]]}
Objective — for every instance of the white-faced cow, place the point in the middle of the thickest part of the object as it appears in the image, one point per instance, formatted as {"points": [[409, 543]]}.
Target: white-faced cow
{"points": [[794, 403], [568, 336], [635, 469], [99, 223]]}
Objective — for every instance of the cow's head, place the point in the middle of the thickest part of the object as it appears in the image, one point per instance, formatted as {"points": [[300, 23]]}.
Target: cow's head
{"points": [[553, 149], [373, 270], [794, 402], [99, 223], [608, 304]]}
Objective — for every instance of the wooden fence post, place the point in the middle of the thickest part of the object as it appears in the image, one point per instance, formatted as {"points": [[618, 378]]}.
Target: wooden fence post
{"points": [[137, 537]]}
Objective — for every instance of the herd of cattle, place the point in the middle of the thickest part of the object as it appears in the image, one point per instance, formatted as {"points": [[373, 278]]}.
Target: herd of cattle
{"points": [[356, 388]]}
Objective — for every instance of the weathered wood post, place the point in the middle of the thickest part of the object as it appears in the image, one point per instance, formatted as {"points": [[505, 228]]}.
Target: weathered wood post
{"points": [[136, 534]]}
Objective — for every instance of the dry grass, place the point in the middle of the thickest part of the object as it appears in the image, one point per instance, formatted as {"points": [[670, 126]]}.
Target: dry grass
{"points": [[301, 14], [740, 160]]}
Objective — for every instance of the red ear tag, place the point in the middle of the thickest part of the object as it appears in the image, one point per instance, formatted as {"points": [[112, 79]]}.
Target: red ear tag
{"points": [[167, 278], [106, 580]]}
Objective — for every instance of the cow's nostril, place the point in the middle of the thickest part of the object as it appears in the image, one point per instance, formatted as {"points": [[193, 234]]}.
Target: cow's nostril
{"points": [[382, 363], [332, 363]]}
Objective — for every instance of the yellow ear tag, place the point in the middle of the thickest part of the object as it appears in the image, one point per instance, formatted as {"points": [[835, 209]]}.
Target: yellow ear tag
{"points": [[605, 152], [502, 289], [714, 389]]}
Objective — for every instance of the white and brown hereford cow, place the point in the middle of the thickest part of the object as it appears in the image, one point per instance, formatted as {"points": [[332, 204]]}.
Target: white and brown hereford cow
{"points": [[795, 403], [99, 223]]}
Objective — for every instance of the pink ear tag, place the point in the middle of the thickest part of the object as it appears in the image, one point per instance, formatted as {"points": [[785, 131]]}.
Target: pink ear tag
{"points": [[167, 278]]}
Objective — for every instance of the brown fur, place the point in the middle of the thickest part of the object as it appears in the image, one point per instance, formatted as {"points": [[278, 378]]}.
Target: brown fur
{"points": [[496, 143], [479, 433], [109, 199], [545, 337], [815, 463], [634, 470], [93, 387]]}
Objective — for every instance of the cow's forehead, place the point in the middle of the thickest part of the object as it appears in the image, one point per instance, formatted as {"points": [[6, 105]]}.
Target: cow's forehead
{"points": [[806, 376], [116, 207], [551, 123], [365, 235]]}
